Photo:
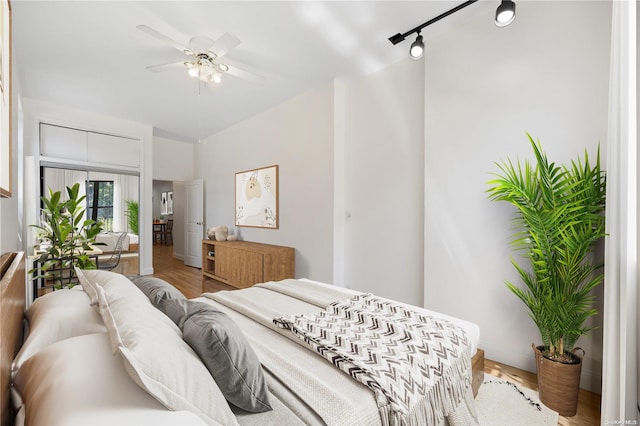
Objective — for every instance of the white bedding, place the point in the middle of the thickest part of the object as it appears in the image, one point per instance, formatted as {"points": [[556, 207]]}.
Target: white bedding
{"points": [[93, 385], [472, 330], [80, 362]]}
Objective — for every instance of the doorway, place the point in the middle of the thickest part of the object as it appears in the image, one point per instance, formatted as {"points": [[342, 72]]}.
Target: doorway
{"points": [[168, 205]]}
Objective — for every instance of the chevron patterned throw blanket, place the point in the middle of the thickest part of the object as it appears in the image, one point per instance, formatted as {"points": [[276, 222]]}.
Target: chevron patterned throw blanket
{"points": [[418, 366]]}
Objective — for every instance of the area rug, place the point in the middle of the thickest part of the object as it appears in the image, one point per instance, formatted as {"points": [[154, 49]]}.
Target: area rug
{"points": [[500, 402]]}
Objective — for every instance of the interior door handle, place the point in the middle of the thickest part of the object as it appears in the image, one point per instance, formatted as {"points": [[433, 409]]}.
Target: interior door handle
{"points": [[199, 223]]}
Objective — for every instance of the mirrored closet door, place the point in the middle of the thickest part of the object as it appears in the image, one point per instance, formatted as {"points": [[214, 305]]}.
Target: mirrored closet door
{"points": [[111, 199]]}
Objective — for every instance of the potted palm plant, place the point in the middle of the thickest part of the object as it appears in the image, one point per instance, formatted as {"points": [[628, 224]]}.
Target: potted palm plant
{"points": [[559, 220], [67, 236]]}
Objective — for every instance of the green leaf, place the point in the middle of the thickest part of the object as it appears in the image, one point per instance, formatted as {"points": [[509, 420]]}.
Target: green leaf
{"points": [[560, 216]]}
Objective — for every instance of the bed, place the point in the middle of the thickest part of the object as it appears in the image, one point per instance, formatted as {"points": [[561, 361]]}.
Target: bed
{"points": [[134, 351]]}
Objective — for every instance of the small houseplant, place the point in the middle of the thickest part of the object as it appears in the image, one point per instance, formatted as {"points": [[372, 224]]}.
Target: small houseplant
{"points": [[559, 219], [132, 215], [68, 236]]}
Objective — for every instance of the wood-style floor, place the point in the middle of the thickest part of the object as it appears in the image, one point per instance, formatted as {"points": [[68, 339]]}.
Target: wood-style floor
{"points": [[192, 284], [588, 402], [187, 279]]}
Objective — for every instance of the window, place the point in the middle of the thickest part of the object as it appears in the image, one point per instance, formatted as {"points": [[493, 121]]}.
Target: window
{"points": [[100, 202]]}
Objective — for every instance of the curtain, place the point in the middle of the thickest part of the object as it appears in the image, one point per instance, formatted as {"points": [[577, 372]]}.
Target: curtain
{"points": [[620, 358], [60, 179], [125, 188]]}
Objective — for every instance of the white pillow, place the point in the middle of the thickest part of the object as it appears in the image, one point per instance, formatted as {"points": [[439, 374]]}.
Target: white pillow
{"points": [[117, 284], [155, 356], [57, 316], [114, 286], [87, 286], [78, 382]]}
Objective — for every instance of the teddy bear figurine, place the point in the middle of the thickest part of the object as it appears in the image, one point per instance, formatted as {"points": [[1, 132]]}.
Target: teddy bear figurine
{"points": [[221, 233], [211, 233]]}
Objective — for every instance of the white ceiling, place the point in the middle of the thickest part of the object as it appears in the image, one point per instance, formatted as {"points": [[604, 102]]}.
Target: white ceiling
{"points": [[89, 54]]}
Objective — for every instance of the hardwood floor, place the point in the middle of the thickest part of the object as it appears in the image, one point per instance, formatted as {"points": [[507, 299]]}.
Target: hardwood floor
{"points": [[588, 402], [191, 283], [187, 279]]}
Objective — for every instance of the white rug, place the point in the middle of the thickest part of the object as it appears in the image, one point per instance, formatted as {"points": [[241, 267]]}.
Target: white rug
{"points": [[502, 403]]}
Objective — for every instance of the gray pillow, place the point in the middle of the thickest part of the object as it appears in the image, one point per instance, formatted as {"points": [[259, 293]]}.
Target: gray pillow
{"points": [[228, 356], [157, 290], [176, 309]]}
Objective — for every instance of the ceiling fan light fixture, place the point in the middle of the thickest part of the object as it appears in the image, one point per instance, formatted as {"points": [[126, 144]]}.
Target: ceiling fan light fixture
{"points": [[204, 54], [193, 70]]}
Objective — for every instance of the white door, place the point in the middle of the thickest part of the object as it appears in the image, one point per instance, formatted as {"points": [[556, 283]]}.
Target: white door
{"points": [[195, 220]]}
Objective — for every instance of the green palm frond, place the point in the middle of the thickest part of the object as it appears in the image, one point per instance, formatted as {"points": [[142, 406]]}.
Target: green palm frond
{"points": [[560, 218]]}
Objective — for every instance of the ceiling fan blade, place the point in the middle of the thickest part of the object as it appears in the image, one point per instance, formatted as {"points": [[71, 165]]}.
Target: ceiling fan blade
{"points": [[165, 67], [224, 44], [153, 33], [200, 44], [239, 72]]}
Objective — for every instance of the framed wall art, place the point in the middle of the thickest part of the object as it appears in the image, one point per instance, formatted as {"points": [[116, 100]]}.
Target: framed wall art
{"points": [[257, 198], [5, 99], [170, 202], [164, 207]]}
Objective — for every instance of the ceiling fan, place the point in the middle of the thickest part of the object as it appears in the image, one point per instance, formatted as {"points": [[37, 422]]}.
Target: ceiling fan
{"points": [[205, 54]]}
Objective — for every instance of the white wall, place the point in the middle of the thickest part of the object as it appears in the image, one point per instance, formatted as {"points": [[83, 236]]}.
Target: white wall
{"points": [[179, 219], [384, 197], [297, 135], [36, 111], [172, 159], [547, 74], [11, 225]]}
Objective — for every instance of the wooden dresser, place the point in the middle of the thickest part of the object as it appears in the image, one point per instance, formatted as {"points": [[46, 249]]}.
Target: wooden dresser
{"points": [[244, 263]]}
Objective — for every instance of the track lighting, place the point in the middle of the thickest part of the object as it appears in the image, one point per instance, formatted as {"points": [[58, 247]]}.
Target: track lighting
{"points": [[506, 13], [417, 48]]}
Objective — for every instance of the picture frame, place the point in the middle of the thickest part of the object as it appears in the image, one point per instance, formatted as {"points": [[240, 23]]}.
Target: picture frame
{"points": [[6, 168], [256, 199], [163, 203], [170, 202]]}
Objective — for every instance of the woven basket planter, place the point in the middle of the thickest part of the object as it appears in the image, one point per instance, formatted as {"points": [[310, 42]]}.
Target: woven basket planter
{"points": [[558, 383]]}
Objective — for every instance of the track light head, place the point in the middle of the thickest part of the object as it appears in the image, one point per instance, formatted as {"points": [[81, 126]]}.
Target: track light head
{"points": [[417, 48], [505, 13]]}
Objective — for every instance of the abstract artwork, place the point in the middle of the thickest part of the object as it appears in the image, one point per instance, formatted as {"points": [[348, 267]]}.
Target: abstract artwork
{"points": [[164, 206], [170, 202], [257, 198]]}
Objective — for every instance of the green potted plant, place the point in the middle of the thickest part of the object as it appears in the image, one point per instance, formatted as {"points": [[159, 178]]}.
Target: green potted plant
{"points": [[132, 215], [67, 236], [559, 220]]}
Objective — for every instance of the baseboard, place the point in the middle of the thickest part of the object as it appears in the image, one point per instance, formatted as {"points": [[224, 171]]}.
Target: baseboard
{"points": [[146, 271], [178, 256], [591, 380]]}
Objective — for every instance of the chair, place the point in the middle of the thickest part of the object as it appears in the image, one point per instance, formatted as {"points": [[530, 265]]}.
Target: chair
{"points": [[167, 235], [158, 231], [114, 260]]}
